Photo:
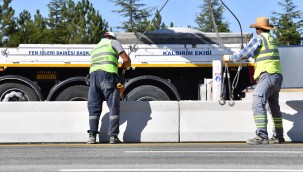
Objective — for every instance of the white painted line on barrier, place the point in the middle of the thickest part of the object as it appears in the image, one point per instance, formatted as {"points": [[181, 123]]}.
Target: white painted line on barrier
{"points": [[288, 152], [245, 170]]}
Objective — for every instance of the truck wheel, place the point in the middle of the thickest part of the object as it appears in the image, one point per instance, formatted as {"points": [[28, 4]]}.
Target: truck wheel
{"points": [[17, 92], [147, 93], [74, 93]]}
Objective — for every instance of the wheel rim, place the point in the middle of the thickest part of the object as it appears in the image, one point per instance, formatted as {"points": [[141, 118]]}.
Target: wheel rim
{"points": [[78, 99], [147, 98], [14, 94]]}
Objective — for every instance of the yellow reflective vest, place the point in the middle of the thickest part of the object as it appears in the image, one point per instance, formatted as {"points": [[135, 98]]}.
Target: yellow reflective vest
{"points": [[104, 57], [267, 56]]}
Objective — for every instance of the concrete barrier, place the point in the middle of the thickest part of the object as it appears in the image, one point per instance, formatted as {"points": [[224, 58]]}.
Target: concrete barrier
{"points": [[209, 121], [43, 122], [292, 111], [184, 121], [145, 122], [68, 122], [283, 96]]}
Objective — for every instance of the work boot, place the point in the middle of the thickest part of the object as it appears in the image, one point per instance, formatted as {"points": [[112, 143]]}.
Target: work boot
{"points": [[257, 141], [275, 140], [114, 139], [92, 138]]}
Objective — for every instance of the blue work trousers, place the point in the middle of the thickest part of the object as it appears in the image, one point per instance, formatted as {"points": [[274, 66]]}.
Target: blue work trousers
{"points": [[103, 87], [267, 91]]}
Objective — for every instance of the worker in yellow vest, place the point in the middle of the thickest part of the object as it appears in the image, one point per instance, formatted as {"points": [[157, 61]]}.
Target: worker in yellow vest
{"points": [[269, 79], [103, 85]]}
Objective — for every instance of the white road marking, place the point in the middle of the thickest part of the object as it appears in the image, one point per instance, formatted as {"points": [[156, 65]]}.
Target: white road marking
{"points": [[155, 170], [288, 152]]}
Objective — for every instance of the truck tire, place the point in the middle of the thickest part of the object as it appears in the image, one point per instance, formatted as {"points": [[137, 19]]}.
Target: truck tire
{"points": [[147, 93], [74, 93], [17, 92]]}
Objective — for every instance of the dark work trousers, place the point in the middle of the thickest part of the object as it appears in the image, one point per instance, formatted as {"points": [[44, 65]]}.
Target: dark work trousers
{"points": [[267, 91], [103, 87]]}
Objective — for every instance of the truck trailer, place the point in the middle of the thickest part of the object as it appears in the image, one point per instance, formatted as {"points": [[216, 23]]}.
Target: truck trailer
{"points": [[167, 65]]}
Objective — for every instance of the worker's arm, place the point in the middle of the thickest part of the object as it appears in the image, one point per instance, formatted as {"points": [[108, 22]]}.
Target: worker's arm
{"points": [[248, 51], [126, 60], [119, 49]]}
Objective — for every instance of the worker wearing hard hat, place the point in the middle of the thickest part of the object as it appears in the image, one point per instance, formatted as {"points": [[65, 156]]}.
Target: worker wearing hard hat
{"points": [[103, 85], [269, 80]]}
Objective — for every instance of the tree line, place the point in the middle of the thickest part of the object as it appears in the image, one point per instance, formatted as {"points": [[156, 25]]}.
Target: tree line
{"points": [[80, 23]]}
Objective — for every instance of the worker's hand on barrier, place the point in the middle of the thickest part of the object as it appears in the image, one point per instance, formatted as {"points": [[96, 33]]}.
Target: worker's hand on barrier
{"points": [[226, 58]]}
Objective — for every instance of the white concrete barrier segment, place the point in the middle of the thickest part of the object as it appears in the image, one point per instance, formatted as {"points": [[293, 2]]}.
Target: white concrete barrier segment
{"points": [[43, 122], [68, 122], [292, 111], [283, 96], [209, 121], [157, 121]]}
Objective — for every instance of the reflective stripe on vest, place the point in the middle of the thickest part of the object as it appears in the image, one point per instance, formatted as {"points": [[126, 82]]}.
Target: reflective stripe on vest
{"points": [[104, 57], [267, 56]]}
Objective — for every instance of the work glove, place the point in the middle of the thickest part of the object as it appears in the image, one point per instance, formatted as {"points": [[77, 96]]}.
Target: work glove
{"points": [[226, 58]]}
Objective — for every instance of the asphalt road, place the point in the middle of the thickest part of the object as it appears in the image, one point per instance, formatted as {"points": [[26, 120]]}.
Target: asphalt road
{"points": [[151, 157]]}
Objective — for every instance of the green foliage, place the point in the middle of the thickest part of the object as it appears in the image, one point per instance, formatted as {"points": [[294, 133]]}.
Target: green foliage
{"points": [[157, 22], [87, 25], [7, 23], [289, 24], [40, 29], [204, 19], [70, 22], [135, 13], [57, 21], [171, 24], [137, 17], [67, 23]]}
